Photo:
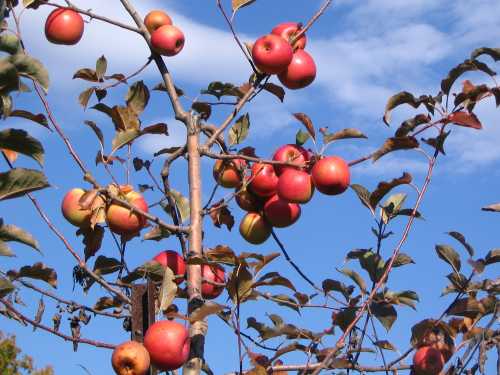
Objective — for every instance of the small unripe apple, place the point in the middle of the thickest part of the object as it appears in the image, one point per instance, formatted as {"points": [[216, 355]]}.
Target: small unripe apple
{"points": [[272, 54], [264, 181], [427, 361], [331, 175], [290, 153], [174, 261], [301, 71], [288, 30], [122, 220], [130, 358], [64, 26], [213, 273], [295, 186], [254, 228], [73, 212], [156, 19], [248, 201], [229, 173], [168, 344], [280, 213], [167, 40]]}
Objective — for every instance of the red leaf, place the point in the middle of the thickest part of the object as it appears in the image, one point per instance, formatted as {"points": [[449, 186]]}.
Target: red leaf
{"points": [[469, 120]]}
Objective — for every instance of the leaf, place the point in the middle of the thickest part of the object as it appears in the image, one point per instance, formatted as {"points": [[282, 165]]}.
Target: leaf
{"points": [[239, 130], [6, 287], [494, 53], [182, 204], [468, 307], [492, 208], [493, 256], [364, 196], [126, 137], [38, 118], [37, 271], [460, 238], [385, 313], [276, 90], [220, 89], [168, 289], [137, 97], [301, 137], [274, 279], [101, 66], [92, 239], [438, 142], [344, 317], [208, 308], [157, 233], [16, 234], [468, 120], [151, 270], [306, 121], [39, 312], [105, 266], [104, 303], [86, 74], [32, 68], [20, 141], [354, 276], [203, 108], [329, 285], [457, 71], [402, 259], [240, 283], [85, 96], [409, 125], [373, 264], [394, 101], [10, 43], [385, 187], [394, 144], [386, 345], [237, 4], [450, 256], [343, 134], [221, 254], [20, 181], [97, 131], [220, 215], [391, 207], [5, 250]]}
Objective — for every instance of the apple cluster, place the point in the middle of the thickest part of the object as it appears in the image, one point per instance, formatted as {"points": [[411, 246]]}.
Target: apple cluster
{"points": [[166, 39], [283, 54], [272, 193]]}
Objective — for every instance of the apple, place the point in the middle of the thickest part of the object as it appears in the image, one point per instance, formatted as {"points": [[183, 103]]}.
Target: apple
{"points": [[174, 261], [156, 19], [280, 213], [428, 361], [295, 186], [214, 273], [290, 153], [287, 30], [122, 220], [254, 228], [264, 181], [300, 72], [168, 344], [248, 201], [72, 210], [167, 40], [130, 358], [229, 173], [331, 175], [272, 54], [64, 26]]}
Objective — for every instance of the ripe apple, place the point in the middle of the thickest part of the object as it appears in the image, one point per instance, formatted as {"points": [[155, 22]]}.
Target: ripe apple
{"points": [[290, 153], [130, 358], [280, 213], [428, 361], [156, 19], [295, 186], [213, 273], [229, 173], [248, 201], [254, 228], [287, 30], [300, 72], [331, 175], [264, 181], [272, 54], [64, 26], [168, 344], [73, 212], [167, 40], [123, 221], [174, 261]]}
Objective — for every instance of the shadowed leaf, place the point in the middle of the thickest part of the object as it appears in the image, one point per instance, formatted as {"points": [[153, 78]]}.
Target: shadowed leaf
{"points": [[461, 238], [38, 271], [306, 121], [394, 144], [38, 118], [239, 130], [20, 141], [343, 134], [450, 256], [20, 181], [385, 187]]}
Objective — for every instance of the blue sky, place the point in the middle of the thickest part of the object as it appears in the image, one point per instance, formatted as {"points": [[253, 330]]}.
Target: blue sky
{"points": [[365, 51]]}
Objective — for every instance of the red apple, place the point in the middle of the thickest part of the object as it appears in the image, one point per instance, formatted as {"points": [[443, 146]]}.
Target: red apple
{"points": [[295, 186], [264, 181], [272, 54], [290, 153], [72, 210], [427, 361], [174, 261], [156, 19], [254, 228], [64, 26], [130, 358], [213, 273], [287, 30], [248, 201], [331, 175], [122, 220], [168, 344], [300, 72], [280, 213], [167, 40], [229, 173]]}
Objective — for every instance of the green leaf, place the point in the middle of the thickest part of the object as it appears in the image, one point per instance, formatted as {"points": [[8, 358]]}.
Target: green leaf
{"points": [[38, 118], [32, 68], [168, 289], [220, 89], [240, 284], [9, 43], [13, 233], [364, 196], [237, 4], [6, 287], [20, 141], [329, 285], [402, 259], [37, 271], [450, 256], [182, 204], [125, 137], [137, 97], [20, 181], [354, 276], [301, 137], [239, 131], [394, 144], [9, 80], [101, 66], [385, 345], [385, 313]]}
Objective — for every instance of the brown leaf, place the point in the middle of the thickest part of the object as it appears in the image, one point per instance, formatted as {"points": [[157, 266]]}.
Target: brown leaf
{"points": [[220, 215], [385, 187], [394, 144], [306, 121]]}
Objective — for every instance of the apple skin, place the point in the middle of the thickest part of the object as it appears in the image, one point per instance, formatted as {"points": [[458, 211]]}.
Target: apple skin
{"points": [[331, 175], [168, 344], [121, 220], [64, 26], [290, 153], [229, 173], [427, 361], [272, 54], [248, 201], [254, 228], [167, 40], [174, 261], [287, 30], [280, 213], [156, 19], [130, 358], [72, 210], [301, 71], [264, 181], [295, 186], [213, 273]]}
